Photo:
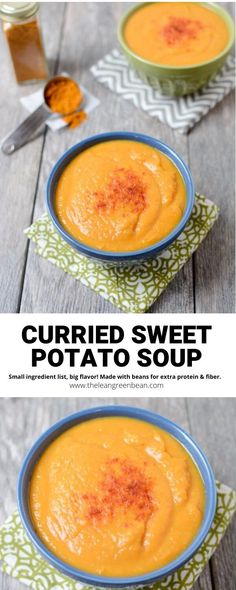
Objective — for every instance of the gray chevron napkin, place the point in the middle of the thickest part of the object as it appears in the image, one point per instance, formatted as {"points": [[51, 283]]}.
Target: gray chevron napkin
{"points": [[180, 113]]}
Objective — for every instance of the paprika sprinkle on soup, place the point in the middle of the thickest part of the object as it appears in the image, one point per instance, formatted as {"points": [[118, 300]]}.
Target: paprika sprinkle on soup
{"points": [[124, 189], [180, 29], [125, 487]]}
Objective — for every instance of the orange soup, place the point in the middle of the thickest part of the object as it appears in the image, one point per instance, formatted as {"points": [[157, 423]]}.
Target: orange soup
{"points": [[176, 33], [116, 497], [120, 195]]}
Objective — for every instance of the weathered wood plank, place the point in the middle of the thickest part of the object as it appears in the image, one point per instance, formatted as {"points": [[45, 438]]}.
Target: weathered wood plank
{"points": [[8, 583], [223, 562], [212, 157], [212, 162], [46, 288], [19, 172], [212, 423]]}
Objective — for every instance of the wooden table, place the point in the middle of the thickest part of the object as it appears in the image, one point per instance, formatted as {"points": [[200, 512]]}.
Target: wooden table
{"points": [[76, 36], [210, 421]]}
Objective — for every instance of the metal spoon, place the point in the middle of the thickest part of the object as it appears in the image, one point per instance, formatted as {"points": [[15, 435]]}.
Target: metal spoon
{"points": [[23, 133]]}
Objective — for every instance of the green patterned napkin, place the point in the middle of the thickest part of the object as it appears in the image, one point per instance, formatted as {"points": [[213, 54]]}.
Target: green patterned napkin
{"points": [[131, 288], [20, 560]]}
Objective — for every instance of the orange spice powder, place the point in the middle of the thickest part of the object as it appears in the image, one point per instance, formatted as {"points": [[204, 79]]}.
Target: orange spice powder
{"points": [[75, 119], [64, 96]]}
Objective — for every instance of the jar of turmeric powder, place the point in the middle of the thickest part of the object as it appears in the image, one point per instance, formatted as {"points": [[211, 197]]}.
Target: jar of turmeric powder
{"points": [[22, 31]]}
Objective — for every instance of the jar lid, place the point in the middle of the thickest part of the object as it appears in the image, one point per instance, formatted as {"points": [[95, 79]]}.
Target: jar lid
{"points": [[17, 11]]}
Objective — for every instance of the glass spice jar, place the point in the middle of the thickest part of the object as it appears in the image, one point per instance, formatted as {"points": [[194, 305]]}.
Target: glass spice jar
{"points": [[22, 31]]}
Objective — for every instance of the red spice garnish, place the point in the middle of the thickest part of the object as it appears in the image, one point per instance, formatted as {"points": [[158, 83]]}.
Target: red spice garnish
{"points": [[179, 29], [125, 188], [123, 486]]}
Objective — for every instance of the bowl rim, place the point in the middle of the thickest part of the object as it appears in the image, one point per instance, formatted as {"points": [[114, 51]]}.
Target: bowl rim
{"points": [[111, 136], [45, 439], [209, 5]]}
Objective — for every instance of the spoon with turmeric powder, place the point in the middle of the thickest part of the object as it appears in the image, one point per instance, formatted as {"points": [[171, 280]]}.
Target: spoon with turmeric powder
{"points": [[62, 96]]}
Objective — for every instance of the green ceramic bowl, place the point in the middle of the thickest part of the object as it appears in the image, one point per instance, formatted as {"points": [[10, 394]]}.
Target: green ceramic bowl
{"points": [[177, 81]]}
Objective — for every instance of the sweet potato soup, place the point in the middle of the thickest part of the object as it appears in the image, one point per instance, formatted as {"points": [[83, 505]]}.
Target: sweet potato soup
{"points": [[176, 33], [116, 497], [120, 195]]}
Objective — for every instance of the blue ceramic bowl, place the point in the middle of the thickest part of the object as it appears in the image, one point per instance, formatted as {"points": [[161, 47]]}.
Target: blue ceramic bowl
{"points": [[119, 257], [185, 439]]}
